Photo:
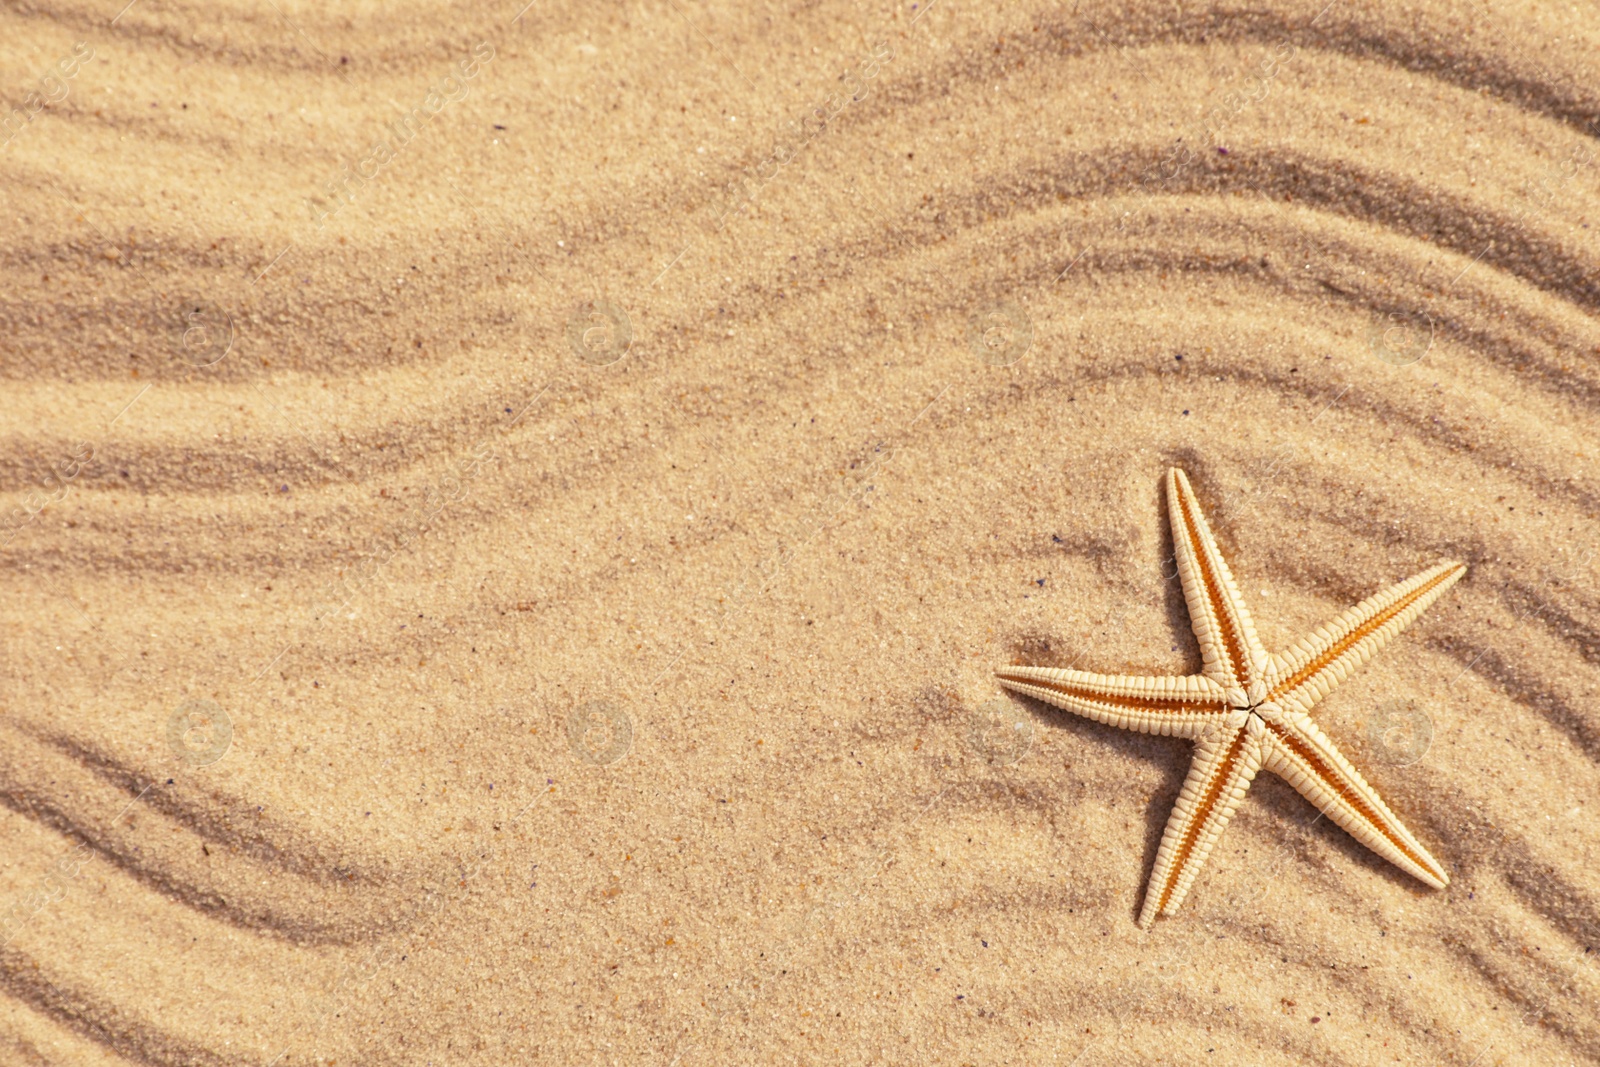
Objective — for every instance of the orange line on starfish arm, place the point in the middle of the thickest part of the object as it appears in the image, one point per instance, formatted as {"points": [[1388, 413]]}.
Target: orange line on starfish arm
{"points": [[1331, 781], [1163, 704], [1360, 633], [1197, 819], [1241, 718], [1237, 663]]}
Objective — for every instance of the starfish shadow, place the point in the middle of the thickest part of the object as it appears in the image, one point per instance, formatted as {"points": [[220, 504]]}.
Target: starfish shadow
{"points": [[1272, 795], [1245, 711], [1269, 794], [1170, 755]]}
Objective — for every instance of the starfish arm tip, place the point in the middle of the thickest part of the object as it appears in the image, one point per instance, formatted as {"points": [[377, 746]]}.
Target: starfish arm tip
{"points": [[1239, 676]]}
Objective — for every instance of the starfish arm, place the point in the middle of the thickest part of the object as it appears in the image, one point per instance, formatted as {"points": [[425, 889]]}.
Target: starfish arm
{"points": [[1225, 763], [1310, 670], [1232, 653], [1301, 754], [1184, 706]]}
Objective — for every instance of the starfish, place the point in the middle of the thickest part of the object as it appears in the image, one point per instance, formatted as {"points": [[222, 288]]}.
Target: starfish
{"points": [[1247, 710]]}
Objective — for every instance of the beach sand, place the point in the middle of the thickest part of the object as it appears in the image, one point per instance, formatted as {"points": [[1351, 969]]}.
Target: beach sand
{"points": [[512, 517]]}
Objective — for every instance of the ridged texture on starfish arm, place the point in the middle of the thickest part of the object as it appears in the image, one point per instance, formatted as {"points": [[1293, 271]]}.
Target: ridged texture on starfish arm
{"points": [[1314, 666], [1232, 654], [1173, 706], [1225, 763], [1246, 710], [1301, 754]]}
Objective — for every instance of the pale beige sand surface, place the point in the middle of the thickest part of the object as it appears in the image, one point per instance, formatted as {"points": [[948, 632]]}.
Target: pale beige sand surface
{"points": [[546, 707]]}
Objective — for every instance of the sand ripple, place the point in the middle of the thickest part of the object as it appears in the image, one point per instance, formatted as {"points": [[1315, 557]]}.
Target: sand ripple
{"points": [[900, 389]]}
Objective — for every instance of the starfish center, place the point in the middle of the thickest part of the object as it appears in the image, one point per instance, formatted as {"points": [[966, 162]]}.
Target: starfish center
{"points": [[1248, 711], [1240, 700]]}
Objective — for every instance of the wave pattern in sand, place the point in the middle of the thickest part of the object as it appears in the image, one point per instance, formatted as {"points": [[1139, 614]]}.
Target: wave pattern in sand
{"points": [[593, 525]]}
